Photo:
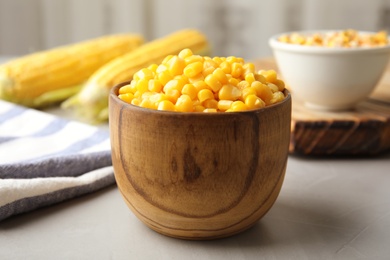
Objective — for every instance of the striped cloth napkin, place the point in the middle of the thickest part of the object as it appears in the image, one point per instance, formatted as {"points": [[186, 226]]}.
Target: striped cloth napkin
{"points": [[45, 159]]}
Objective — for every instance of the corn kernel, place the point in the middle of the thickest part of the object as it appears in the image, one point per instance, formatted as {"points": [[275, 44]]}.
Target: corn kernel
{"points": [[184, 104], [155, 85], [166, 59], [193, 58], [213, 82], [172, 95], [197, 78], [205, 94], [210, 103], [199, 85], [176, 65], [225, 67], [229, 92], [220, 76], [164, 77], [174, 84], [153, 67], [224, 105], [254, 102], [127, 97], [142, 85], [143, 74], [185, 53], [125, 89], [166, 105], [210, 110], [135, 101], [277, 97], [190, 90], [250, 77], [236, 70], [263, 91], [193, 69], [199, 108], [248, 91], [280, 84], [243, 84], [249, 68], [270, 75], [238, 106], [146, 103]]}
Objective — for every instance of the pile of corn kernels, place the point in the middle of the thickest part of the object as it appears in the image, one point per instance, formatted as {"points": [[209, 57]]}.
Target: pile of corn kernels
{"points": [[194, 83], [346, 39]]}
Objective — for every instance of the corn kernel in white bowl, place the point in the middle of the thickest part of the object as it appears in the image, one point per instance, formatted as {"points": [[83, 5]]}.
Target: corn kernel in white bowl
{"points": [[329, 78]]}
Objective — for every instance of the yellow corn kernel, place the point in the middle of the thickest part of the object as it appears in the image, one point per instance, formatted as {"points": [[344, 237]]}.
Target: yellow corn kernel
{"points": [[193, 58], [166, 105], [135, 101], [172, 95], [164, 77], [233, 81], [207, 71], [260, 78], [277, 97], [236, 70], [249, 68], [176, 65], [210, 63], [153, 67], [161, 68], [155, 85], [248, 91], [250, 77], [185, 53], [127, 97], [190, 90], [144, 74], [231, 59], [184, 104], [177, 84], [224, 105], [273, 87], [213, 82], [146, 103], [270, 75], [217, 60], [210, 103], [229, 92], [225, 67], [197, 78], [199, 85], [210, 110], [193, 69], [166, 59], [280, 84], [125, 89], [238, 106], [220, 75], [243, 84], [199, 108], [254, 102], [142, 85], [205, 94], [263, 91]]}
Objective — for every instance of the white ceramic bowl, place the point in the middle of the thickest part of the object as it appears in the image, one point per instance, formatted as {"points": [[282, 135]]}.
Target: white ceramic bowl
{"points": [[329, 78]]}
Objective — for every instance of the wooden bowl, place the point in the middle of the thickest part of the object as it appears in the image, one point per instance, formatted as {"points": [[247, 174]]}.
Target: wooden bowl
{"points": [[199, 175]]}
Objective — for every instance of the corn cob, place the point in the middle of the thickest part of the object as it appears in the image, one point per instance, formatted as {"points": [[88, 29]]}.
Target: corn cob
{"points": [[92, 101], [51, 76]]}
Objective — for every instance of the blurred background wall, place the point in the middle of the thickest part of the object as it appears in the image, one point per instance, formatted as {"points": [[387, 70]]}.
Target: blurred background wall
{"points": [[239, 28]]}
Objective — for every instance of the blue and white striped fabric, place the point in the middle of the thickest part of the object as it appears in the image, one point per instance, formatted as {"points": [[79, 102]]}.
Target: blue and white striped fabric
{"points": [[45, 159]]}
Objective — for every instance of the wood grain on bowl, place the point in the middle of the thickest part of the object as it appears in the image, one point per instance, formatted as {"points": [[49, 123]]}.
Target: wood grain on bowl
{"points": [[199, 175]]}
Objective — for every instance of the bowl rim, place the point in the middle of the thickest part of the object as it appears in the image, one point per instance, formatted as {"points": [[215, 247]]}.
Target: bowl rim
{"points": [[277, 45], [114, 94]]}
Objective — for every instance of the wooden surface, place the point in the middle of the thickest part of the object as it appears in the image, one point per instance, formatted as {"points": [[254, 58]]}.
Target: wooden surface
{"points": [[197, 175], [363, 131]]}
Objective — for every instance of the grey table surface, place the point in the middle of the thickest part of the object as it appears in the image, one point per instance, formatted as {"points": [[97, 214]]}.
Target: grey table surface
{"points": [[328, 208]]}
